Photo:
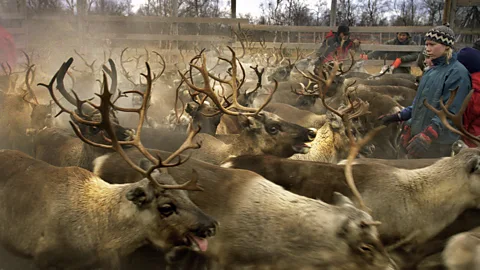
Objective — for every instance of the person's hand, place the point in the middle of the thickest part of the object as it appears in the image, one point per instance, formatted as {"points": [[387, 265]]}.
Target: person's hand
{"points": [[421, 142], [396, 64], [390, 118], [364, 56]]}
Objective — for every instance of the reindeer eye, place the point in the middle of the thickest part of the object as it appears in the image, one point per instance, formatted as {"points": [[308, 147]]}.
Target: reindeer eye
{"points": [[273, 129], [95, 129], [166, 209], [365, 248]]}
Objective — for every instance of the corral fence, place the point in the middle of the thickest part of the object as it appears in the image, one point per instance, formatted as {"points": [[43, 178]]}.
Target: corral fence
{"points": [[170, 34]]}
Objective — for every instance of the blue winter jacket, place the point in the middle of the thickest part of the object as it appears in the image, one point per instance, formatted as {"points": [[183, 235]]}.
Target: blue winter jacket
{"points": [[437, 82]]}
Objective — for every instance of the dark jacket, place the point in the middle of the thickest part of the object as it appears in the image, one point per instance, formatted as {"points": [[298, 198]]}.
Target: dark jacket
{"points": [[331, 44], [437, 82], [406, 57]]}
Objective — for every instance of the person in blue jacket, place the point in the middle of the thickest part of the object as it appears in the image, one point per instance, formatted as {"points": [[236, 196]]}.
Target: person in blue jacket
{"points": [[423, 134]]}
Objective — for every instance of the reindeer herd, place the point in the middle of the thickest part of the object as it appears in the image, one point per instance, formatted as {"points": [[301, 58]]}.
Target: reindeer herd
{"points": [[225, 161]]}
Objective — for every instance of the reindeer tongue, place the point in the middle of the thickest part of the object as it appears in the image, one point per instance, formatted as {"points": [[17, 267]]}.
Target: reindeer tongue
{"points": [[202, 243]]}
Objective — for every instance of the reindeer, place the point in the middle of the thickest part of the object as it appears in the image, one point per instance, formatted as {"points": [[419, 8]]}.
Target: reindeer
{"points": [[458, 174], [22, 115], [59, 148], [382, 146], [462, 251], [263, 132], [403, 95], [338, 236], [90, 223]]}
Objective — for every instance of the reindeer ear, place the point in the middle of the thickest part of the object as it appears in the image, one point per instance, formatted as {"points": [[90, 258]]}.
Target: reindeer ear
{"points": [[191, 108], [140, 196], [341, 200], [248, 122], [474, 165]]}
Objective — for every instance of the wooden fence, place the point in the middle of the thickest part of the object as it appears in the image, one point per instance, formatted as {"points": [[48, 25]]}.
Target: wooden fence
{"points": [[167, 33]]}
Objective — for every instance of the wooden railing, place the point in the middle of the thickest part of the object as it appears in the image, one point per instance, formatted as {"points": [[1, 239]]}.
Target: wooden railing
{"points": [[139, 31]]}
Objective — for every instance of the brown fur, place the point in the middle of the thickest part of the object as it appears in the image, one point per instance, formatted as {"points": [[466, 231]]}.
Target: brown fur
{"points": [[262, 225], [300, 117], [18, 119], [385, 141], [383, 82], [403, 95], [397, 163], [463, 251], [70, 218], [257, 137], [411, 201]]}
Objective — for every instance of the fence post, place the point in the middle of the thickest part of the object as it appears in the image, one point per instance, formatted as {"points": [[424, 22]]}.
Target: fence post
{"points": [[333, 13]]}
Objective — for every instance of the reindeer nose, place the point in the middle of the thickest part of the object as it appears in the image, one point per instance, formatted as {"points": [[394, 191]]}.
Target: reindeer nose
{"points": [[207, 230], [312, 133]]}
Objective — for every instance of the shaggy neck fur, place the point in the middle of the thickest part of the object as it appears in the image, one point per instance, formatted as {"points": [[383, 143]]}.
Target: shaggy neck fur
{"points": [[108, 218], [328, 146]]}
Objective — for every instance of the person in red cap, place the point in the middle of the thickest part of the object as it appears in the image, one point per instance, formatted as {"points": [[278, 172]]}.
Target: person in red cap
{"points": [[7, 49], [335, 45], [470, 58], [402, 38]]}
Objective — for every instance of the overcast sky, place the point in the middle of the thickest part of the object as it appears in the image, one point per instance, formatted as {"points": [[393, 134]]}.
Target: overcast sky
{"points": [[243, 6]]}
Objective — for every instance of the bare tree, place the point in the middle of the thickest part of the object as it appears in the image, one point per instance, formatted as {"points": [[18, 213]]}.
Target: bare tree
{"points": [[346, 13], [44, 6], [157, 8], [407, 13], [372, 11], [434, 9], [321, 14], [286, 12], [110, 7], [201, 8]]}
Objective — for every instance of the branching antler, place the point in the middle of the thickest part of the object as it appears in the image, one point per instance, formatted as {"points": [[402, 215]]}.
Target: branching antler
{"points": [[444, 114], [259, 76], [241, 42], [29, 89], [233, 83], [353, 110], [105, 125], [124, 70], [92, 68]]}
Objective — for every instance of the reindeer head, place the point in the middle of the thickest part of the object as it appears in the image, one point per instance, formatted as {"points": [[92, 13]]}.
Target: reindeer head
{"points": [[282, 74], [85, 112], [360, 232], [169, 217], [275, 136], [271, 134], [204, 115]]}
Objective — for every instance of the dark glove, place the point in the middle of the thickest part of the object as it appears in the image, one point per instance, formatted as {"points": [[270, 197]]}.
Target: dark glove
{"points": [[405, 136], [420, 143], [390, 118]]}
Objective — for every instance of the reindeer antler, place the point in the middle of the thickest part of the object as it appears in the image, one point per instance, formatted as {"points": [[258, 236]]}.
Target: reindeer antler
{"points": [[354, 109], [444, 114], [92, 68], [29, 88], [105, 124], [233, 83], [124, 70]]}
